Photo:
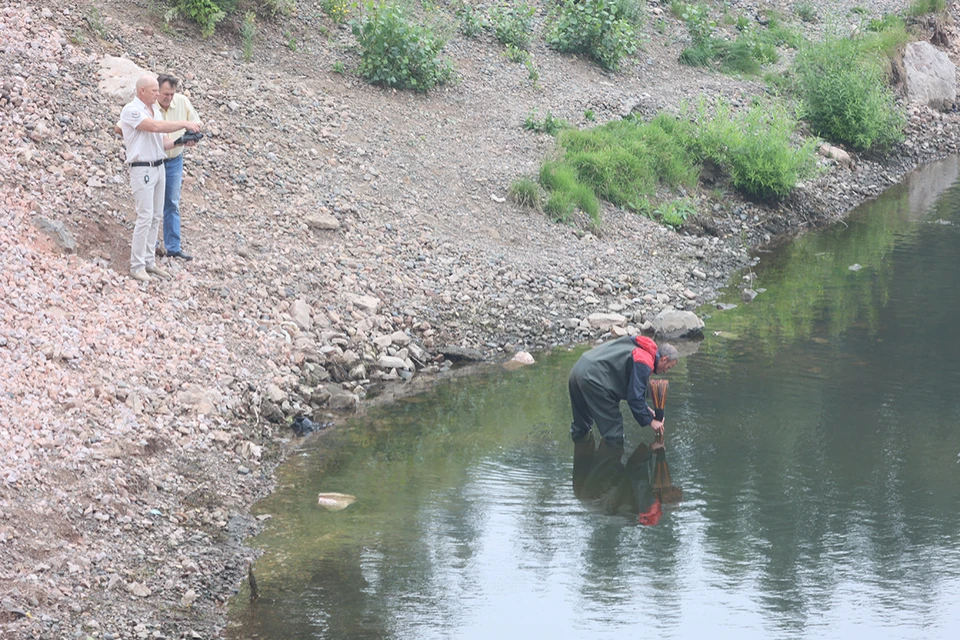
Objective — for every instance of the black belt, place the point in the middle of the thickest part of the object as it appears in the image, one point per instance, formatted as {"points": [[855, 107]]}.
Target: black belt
{"points": [[155, 163]]}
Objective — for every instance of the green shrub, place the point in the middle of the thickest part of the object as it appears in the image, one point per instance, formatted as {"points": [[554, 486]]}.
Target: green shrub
{"points": [[515, 54], [755, 147], [526, 193], [248, 32], [697, 18], [472, 22], [625, 160], [206, 13], [277, 7], [95, 21], [745, 54], [602, 29], [532, 72], [675, 212], [549, 124], [396, 52], [806, 12], [779, 34], [845, 94], [889, 22], [513, 24], [923, 7], [566, 192]]}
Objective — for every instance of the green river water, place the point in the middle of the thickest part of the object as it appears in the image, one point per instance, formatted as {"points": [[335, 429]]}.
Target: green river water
{"points": [[814, 433]]}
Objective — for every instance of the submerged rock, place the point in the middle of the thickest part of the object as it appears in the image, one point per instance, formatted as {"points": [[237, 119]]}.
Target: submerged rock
{"points": [[335, 501]]}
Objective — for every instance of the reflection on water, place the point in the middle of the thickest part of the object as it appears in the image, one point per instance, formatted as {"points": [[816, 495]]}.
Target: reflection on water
{"points": [[815, 439]]}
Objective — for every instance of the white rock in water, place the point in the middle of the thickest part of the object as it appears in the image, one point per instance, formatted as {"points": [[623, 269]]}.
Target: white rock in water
{"points": [[519, 359], [335, 501]]}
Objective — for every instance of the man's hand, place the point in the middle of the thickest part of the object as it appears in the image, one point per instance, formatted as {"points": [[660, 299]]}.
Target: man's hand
{"points": [[657, 426], [192, 127]]}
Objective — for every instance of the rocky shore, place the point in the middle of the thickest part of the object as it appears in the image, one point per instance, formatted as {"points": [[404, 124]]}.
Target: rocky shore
{"points": [[350, 241]]}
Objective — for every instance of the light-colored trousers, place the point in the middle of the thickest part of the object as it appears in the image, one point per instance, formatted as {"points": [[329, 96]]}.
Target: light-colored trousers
{"points": [[148, 187]]}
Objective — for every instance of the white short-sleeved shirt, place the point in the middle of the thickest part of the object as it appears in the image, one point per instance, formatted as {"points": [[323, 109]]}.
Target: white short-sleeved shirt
{"points": [[141, 145]]}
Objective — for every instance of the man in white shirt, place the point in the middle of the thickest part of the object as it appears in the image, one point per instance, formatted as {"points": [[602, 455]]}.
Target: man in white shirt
{"points": [[143, 136]]}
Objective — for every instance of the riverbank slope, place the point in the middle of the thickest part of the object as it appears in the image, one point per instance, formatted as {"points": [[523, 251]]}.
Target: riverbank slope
{"points": [[339, 229]]}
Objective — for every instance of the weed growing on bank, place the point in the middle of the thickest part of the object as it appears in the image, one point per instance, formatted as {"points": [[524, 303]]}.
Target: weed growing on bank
{"points": [[630, 163], [512, 24], [397, 52], [751, 49], [206, 13], [807, 12], [248, 33], [924, 7], [843, 87], [337, 10], [526, 193], [604, 30], [754, 147], [471, 21], [549, 124]]}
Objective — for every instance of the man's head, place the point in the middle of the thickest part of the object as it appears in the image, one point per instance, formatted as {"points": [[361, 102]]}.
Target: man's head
{"points": [[147, 90], [168, 88], [668, 357]]}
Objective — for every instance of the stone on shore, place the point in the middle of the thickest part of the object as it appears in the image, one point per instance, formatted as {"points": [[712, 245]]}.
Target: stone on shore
{"points": [[604, 321], [118, 78], [671, 324], [931, 78]]}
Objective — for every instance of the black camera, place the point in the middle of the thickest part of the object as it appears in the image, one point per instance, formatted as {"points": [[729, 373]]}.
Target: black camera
{"points": [[189, 136]]}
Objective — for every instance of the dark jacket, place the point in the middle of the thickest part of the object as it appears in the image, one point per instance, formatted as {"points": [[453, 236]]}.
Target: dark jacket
{"points": [[622, 366]]}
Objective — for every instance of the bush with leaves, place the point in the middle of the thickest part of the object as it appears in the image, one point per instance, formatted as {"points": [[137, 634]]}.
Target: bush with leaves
{"points": [[845, 94], [512, 24], [755, 147], [397, 52], [605, 30], [206, 13]]}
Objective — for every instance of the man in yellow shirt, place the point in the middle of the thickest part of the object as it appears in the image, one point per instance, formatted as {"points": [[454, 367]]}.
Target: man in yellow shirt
{"points": [[174, 106]]}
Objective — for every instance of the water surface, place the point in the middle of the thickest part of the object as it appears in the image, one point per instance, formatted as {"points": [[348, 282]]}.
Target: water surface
{"points": [[814, 434]]}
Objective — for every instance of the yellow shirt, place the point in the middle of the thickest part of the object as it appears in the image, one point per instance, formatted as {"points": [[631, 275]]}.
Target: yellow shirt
{"points": [[180, 109]]}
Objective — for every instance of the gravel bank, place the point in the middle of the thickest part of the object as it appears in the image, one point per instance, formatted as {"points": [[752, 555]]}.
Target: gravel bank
{"points": [[347, 237]]}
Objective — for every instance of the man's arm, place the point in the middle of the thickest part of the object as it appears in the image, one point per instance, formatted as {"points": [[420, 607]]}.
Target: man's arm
{"points": [[164, 126], [636, 393]]}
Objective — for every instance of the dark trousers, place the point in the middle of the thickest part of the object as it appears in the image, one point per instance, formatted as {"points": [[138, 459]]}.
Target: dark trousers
{"points": [[593, 403]]}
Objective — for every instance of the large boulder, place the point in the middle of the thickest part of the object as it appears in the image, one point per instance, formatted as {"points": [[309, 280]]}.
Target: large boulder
{"points": [[931, 78], [671, 324], [118, 78]]}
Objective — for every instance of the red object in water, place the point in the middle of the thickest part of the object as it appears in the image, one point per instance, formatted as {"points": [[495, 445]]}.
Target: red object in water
{"points": [[652, 515]]}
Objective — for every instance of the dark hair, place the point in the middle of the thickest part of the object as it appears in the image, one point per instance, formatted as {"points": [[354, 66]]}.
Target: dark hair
{"points": [[169, 79]]}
